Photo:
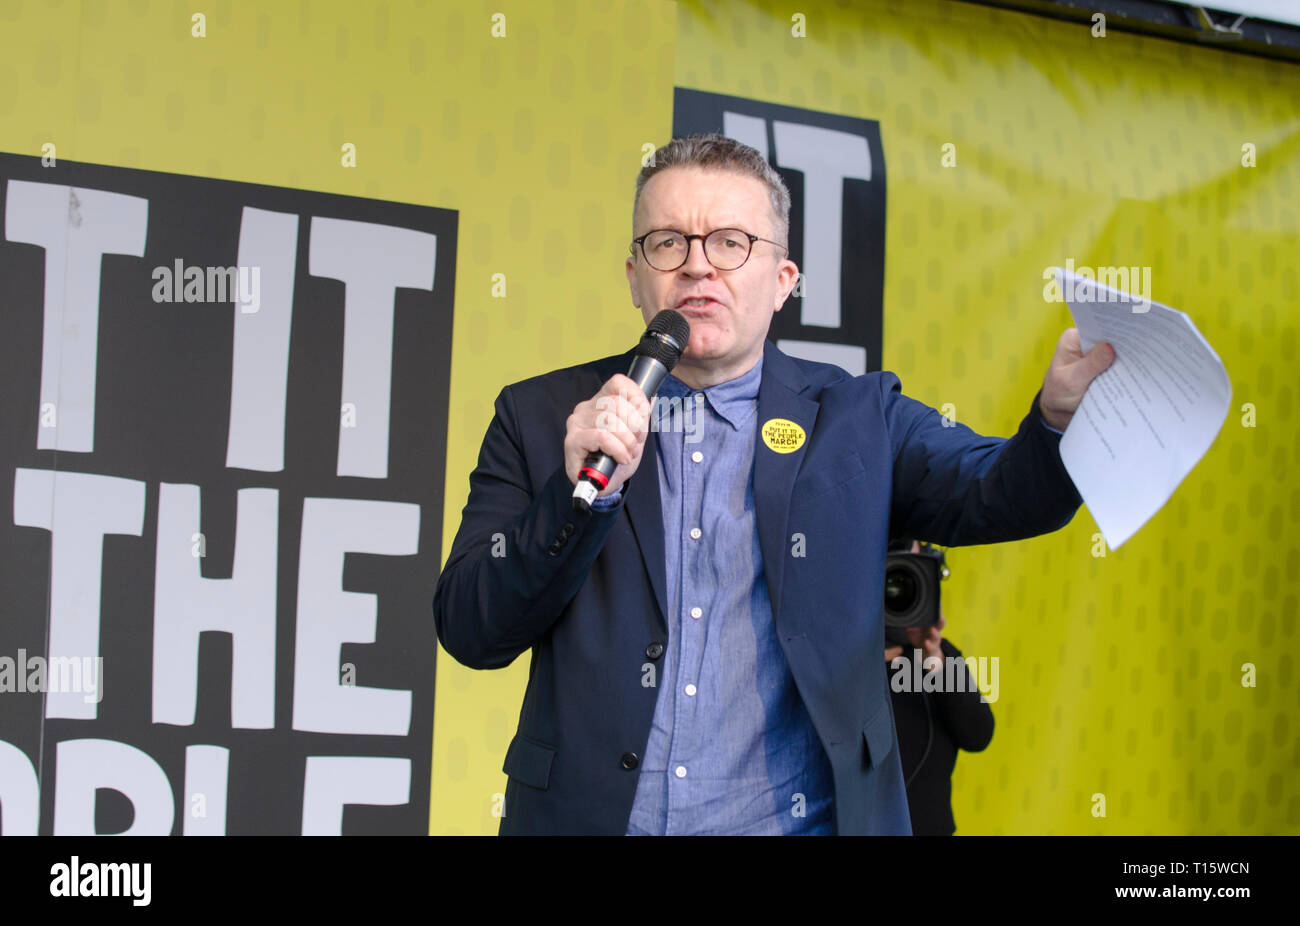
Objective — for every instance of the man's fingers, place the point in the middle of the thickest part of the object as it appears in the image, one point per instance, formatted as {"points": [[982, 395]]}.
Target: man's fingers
{"points": [[1069, 351], [607, 442], [615, 422], [616, 384], [635, 412], [628, 440], [1078, 376], [625, 418], [1076, 370], [1068, 348], [621, 410], [622, 386]]}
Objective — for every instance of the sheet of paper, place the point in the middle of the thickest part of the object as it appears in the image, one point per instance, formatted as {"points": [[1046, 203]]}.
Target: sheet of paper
{"points": [[1149, 418]]}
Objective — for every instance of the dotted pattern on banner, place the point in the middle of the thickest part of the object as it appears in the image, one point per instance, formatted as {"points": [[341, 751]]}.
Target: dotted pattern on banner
{"points": [[1119, 676]]}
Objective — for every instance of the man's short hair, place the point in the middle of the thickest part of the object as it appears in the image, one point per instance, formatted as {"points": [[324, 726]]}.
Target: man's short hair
{"points": [[718, 152]]}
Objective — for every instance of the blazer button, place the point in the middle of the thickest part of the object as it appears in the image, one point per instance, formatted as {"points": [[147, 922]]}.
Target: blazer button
{"points": [[630, 761], [567, 529], [654, 651], [553, 549]]}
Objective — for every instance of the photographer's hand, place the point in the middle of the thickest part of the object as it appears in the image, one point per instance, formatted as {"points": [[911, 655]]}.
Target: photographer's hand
{"points": [[928, 640]]}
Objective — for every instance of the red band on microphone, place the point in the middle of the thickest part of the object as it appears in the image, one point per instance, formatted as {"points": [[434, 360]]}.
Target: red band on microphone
{"points": [[594, 475]]}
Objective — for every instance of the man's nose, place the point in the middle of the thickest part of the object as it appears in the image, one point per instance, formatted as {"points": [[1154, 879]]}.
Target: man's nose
{"points": [[697, 264]]}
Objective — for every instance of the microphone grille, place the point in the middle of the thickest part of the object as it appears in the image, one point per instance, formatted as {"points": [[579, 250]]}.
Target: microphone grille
{"points": [[656, 343]]}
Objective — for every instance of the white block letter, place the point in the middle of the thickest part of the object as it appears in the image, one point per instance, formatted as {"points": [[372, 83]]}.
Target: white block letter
{"points": [[329, 616], [186, 604], [372, 261], [78, 509], [333, 781], [826, 158], [85, 765], [206, 774], [76, 228], [20, 793], [260, 370]]}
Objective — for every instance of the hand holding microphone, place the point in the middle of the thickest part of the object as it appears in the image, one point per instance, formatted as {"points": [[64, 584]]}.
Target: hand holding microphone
{"points": [[606, 434], [612, 423]]}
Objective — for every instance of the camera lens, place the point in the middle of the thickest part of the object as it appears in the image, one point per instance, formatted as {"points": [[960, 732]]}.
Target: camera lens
{"points": [[900, 591], [911, 590]]}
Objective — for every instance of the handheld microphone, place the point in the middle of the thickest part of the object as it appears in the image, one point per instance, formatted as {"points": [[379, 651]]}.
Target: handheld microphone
{"points": [[658, 352]]}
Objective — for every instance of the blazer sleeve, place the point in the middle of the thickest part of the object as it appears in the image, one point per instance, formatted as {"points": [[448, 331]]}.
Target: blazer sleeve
{"points": [[952, 486], [519, 557]]}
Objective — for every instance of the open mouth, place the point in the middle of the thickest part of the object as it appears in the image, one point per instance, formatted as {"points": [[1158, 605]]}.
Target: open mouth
{"points": [[698, 305]]}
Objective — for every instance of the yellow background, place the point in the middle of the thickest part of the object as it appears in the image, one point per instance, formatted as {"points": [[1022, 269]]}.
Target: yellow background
{"points": [[1118, 675]]}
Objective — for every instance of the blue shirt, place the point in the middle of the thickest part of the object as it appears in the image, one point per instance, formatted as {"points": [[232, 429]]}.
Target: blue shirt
{"points": [[732, 749]]}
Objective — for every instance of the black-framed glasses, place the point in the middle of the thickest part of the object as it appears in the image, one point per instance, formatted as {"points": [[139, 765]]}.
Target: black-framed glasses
{"points": [[724, 248]]}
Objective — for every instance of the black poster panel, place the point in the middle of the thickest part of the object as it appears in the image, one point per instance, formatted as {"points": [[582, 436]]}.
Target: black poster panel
{"points": [[223, 453]]}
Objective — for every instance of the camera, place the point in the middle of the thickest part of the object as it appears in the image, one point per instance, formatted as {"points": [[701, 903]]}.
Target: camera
{"points": [[911, 588]]}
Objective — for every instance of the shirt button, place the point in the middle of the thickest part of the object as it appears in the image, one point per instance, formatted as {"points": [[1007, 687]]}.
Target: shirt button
{"points": [[696, 613], [696, 457], [695, 533], [680, 771], [690, 690]]}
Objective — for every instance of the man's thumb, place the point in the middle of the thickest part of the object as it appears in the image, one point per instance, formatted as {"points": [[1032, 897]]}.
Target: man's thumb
{"points": [[1099, 358]]}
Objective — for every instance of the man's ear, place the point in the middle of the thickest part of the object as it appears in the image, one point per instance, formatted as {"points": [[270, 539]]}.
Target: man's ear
{"points": [[629, 266], [787, 274]]}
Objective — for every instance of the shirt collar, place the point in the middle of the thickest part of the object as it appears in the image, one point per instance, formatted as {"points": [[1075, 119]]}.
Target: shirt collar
{"points": [[731, 401]]}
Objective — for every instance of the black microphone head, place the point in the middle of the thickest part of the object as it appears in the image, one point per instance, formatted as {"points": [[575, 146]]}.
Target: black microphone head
{"points": [[665, 338]]}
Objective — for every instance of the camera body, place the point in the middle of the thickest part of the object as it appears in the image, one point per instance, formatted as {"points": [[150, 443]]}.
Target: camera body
{"points": [[911, 596]]}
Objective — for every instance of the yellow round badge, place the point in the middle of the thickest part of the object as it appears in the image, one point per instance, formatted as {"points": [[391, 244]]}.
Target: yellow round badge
{"points": [[782, 435]]}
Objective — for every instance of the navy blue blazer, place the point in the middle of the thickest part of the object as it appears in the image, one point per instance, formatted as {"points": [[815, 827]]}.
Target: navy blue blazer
{"points": [[587, 593]]}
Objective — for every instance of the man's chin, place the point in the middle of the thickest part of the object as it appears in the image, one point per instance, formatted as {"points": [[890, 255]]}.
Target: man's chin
{"points": [[702, 356], [705, 345]]}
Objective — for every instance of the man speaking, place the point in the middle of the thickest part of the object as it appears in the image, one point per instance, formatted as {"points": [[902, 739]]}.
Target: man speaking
{"points": [[706, 638]]}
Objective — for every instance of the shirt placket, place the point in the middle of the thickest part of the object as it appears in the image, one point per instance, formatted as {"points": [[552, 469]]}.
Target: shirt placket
{"points": [[685, 748]]}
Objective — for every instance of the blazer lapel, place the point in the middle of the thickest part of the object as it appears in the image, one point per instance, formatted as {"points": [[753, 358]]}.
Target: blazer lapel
{"points": [[779, 396], [645, 516], [642, 502]]}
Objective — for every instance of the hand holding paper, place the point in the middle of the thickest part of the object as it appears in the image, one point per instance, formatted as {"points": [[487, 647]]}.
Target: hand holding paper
{"points": [[1150, 416], [1069, 376]]}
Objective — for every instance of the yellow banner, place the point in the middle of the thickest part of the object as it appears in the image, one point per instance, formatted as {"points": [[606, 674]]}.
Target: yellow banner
{"points": [[1148, 690]]}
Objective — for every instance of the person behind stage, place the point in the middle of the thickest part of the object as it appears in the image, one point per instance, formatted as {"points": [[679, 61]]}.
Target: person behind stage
{"points": [[933, 724]]}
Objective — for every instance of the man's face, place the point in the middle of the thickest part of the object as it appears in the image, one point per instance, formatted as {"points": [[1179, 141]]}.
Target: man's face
{"points": [[729, 310]]}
